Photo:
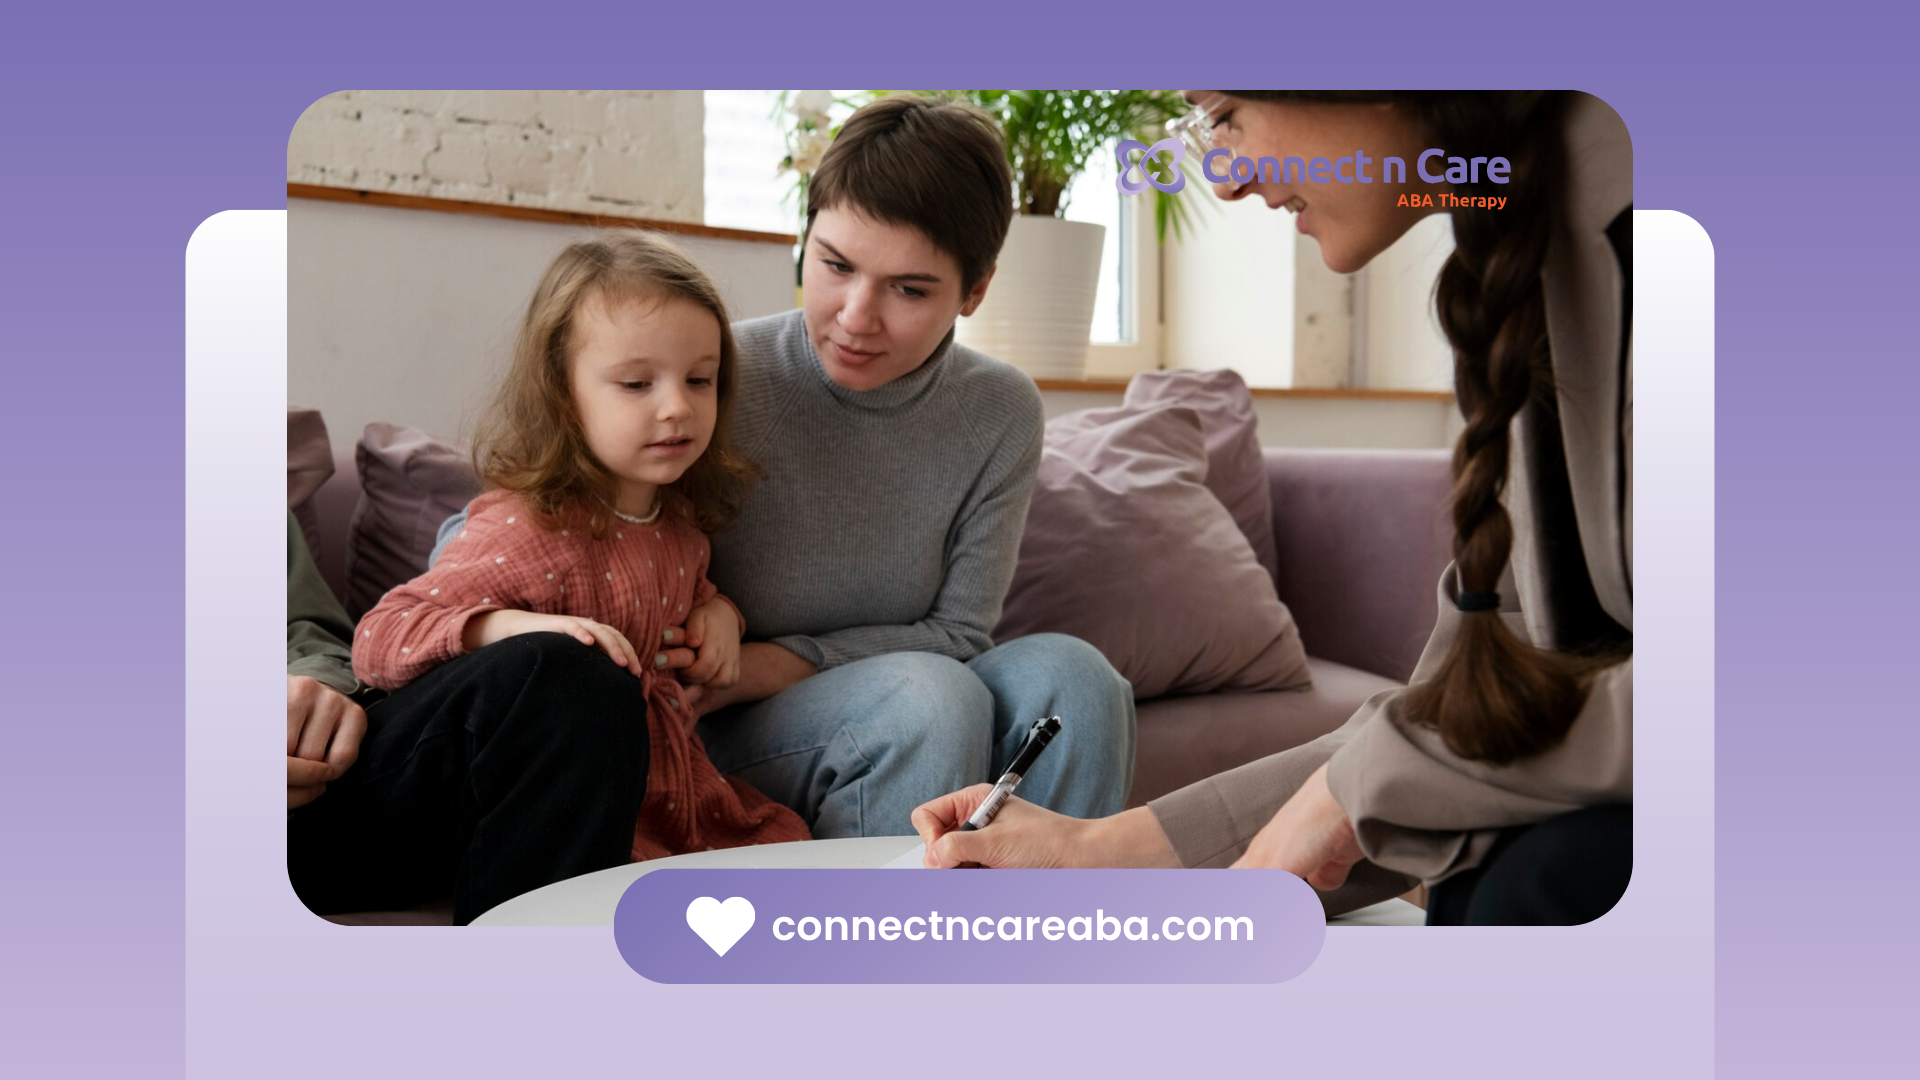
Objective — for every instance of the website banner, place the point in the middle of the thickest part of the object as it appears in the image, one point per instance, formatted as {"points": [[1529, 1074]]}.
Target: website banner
{"points": [[1020, 926]]}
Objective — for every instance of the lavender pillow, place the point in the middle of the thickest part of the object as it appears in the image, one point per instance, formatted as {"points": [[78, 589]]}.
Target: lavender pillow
{"points": [[1236, 467], [1126, 549], [309, 464], [410, 482]]}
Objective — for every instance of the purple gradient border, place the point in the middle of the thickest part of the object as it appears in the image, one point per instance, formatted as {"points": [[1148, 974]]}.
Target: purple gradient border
{"points": [[128, 129]]}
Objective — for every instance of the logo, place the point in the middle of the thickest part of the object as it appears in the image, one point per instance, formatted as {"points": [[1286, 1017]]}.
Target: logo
{"points": [[1351, 169], [720, 925], [1173, 147]]}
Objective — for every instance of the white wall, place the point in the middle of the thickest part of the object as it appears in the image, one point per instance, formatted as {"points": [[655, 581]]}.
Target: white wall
{"points": [[1244, 291], [1229, 290], [1323, 339], [409, 315], [1403, 347], [634, 153]]}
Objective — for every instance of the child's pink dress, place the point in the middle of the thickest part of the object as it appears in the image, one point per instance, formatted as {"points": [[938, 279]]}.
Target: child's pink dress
{"points": [[640, 580]]}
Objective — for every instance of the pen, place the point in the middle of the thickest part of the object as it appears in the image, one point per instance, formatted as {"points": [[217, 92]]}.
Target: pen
{"points": [[1038, 737]]}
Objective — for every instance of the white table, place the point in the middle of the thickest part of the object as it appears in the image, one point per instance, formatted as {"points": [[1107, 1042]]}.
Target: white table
{"points": [[589, 899]]}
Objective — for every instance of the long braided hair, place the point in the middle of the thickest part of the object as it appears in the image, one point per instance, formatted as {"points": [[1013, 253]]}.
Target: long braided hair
{"points": [[1495, 697]]}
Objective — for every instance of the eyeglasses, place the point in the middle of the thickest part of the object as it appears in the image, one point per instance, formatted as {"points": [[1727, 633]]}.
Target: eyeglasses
{"points": [[1195, 128]]}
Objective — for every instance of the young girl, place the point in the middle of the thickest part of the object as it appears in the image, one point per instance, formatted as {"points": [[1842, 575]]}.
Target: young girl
{"points": [[606, 459]]}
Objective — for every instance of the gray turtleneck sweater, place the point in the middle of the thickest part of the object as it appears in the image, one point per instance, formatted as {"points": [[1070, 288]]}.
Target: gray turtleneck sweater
{"points": [[889, 519]]}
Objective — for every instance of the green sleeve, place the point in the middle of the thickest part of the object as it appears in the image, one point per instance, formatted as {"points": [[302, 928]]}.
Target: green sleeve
{"points": [[318, 630]]}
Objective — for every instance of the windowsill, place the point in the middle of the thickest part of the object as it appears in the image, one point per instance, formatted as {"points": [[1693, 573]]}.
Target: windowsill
{"points": [[1116, 386]]}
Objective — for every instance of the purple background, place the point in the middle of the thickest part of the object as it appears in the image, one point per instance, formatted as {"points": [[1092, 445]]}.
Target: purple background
{"points": [[1788, 138], [1288, 926]]}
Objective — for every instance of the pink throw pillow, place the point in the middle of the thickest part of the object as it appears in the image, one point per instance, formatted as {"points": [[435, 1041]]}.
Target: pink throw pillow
{"points": [[1126, 549], [1236, 466], [410, 482]]}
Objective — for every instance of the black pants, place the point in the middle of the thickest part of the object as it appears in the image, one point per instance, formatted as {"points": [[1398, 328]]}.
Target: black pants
{"points": [[1561, 872], [496, 773]]}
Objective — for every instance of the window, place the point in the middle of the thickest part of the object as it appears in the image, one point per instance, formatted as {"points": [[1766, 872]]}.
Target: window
{"points": [[745, 143], [1094, 199]]}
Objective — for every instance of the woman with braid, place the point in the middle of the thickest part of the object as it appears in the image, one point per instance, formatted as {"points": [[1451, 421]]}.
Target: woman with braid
{"points": [[1502, 776]]}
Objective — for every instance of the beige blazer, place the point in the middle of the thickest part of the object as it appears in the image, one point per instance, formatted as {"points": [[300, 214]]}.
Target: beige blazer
{"points": [[1417, 809]]}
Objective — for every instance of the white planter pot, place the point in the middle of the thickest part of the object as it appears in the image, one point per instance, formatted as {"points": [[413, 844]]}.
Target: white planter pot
{"points": [[1040, 306]]}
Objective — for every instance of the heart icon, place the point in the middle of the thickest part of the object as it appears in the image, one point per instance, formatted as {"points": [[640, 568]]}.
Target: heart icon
{"points": [[720, 925]]}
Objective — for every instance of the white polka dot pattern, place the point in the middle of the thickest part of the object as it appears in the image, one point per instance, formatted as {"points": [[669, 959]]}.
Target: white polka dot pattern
{"points": [[488, 566]]}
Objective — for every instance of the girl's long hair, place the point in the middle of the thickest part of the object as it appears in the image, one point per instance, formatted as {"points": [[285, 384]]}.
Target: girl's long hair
{"points": [[530, 441], [1495, 697]]}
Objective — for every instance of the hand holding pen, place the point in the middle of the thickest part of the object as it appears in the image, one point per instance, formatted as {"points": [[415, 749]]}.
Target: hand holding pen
{"points": [[1038, 737], [955, 826]]}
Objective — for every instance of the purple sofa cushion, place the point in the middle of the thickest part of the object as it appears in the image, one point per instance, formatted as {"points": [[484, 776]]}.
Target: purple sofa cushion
{"points": [[1126, 549], [1363, 536], [1183, 740], [410, 482], [1236, 469], [309, 464]]}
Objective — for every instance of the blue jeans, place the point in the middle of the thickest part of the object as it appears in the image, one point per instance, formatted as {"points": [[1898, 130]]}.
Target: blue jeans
{"points": [[855, 748]]}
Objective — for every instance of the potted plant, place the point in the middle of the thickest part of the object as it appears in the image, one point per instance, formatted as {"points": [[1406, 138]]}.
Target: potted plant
{"points": [[1039, 310]]}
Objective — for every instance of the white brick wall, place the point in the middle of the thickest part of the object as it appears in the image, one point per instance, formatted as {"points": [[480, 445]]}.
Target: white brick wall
{"points": [[633, 153]]}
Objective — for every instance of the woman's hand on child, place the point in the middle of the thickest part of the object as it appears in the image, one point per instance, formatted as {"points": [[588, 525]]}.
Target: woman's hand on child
{"points": [[493, 626], [713, 633], [765, 670], [673, 651]]}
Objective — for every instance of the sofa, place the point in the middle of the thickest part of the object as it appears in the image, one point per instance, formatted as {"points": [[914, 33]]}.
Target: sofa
{"points": [[1361, 538]]}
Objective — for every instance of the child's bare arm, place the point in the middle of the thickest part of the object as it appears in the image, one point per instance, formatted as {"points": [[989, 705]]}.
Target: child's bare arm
{"points": [[492, 626]]}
